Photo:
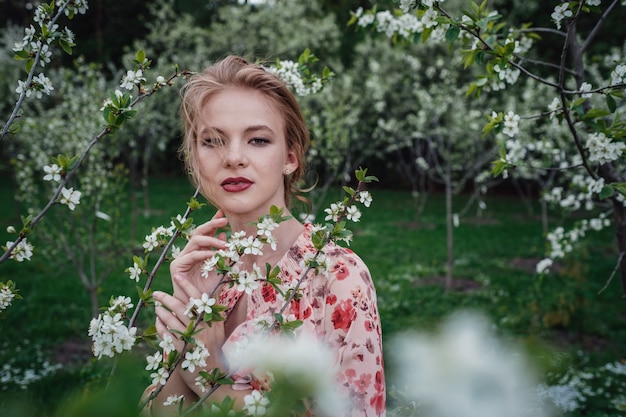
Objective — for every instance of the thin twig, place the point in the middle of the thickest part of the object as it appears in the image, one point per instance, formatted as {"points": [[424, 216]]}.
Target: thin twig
{"points": [[31, 74], [619, 261], [70, 173]]}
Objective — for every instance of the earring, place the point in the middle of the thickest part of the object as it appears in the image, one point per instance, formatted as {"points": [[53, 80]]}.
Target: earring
{"points": [[287, 172]]}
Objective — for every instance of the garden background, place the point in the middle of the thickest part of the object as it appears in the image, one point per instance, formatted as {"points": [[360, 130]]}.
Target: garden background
{"points": [[441, 235]]}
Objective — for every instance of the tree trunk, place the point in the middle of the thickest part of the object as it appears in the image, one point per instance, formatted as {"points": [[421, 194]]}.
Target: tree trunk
{"points": [[449, 229], [620, 234], [93, 297]]}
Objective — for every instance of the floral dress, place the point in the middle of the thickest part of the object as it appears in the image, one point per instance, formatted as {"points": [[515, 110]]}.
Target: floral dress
{"points": [[338, 308]]}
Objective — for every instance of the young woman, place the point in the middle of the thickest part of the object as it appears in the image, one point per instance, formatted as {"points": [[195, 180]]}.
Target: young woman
{"points": [[244, 145]]}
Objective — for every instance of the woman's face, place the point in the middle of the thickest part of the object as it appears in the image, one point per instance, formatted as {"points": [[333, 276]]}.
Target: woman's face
{"points": [[242, 153]]}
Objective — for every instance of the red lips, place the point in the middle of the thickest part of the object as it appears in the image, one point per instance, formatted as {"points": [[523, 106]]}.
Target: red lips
{"points": [[235, 185]]}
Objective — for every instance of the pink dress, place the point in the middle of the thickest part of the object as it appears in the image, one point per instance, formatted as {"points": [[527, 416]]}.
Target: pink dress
{"points": [[338, 308]]}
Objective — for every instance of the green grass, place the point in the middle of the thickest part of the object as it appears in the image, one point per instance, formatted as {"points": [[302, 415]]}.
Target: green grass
{"points": [[406, 256]]}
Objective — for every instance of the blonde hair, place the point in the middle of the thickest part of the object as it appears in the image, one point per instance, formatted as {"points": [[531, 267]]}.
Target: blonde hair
{"points": [[234, 71]]}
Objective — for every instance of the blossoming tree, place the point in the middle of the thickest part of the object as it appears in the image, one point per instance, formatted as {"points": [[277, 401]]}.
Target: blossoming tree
{"points": [[587, 103]]}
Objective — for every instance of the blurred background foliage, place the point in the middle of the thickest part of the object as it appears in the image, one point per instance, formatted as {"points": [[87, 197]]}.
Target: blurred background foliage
{"points": [[387, 105]]}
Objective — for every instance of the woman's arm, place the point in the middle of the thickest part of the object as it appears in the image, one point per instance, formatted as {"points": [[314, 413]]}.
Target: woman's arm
{"points": [[352, 326]]}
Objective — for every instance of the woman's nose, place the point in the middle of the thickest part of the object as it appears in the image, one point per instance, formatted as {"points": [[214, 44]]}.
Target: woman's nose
{"points": [[235, 157]]}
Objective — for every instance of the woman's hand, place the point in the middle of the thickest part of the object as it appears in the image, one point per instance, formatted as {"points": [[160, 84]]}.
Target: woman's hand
{"points": [[172, 320], [202, 246]]}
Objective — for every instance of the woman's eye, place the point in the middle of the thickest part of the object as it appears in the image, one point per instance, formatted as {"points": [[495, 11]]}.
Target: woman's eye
{"points": [[212, 142], [259, 141]]}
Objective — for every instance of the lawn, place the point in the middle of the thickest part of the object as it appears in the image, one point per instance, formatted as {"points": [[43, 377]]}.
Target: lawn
{"points": [[44, 346]]}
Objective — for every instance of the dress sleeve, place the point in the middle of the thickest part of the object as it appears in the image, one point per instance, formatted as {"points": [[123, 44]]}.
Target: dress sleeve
{"points": [[353, 331]]}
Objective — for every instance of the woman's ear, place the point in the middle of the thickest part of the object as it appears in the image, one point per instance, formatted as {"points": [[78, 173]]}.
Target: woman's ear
{"points": [[291, 163]]}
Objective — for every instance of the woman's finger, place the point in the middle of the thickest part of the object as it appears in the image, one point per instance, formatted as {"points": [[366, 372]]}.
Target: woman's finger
{"points": [[189, 290], [171, 310], [209, 228], [163, 331]]}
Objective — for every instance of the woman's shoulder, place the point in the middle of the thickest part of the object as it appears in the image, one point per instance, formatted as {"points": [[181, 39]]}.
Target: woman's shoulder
{"points": [[304, 248]]}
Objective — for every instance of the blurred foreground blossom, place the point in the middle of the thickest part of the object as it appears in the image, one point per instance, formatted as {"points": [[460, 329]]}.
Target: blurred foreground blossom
{"points": [[465, 371], [302, 362]]}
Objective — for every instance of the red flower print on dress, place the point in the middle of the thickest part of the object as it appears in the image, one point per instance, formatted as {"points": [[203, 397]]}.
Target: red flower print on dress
{"points": [[363, 383], [331, 299], [378, 400], [340, 270], [269, 293], [343, 315], [297, 311]]}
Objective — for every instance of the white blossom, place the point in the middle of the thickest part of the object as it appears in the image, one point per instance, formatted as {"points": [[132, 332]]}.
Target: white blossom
{"points": [[22, 252], [584, 88], [365, 198], [544, 265], [40, 15], [561, 12], [195, 358], [132, 78], [265, 227], [151, 242], [334, 211], [255, 404], [353, 213], [251, 246], [134, 272], [120, 304], [202, 382], [53, 172], [6, 297], [200, 306], [617, 75], [554, 107], [565, 397], [167, 344], [154, 361], [110, 335], [511, 122], [406, 5], [289, 72], [602, 149], [160, 376], [302, 360], [70, 197], [173, 400], [248, 280], [75, 6], [465, 371], [69, 35]]}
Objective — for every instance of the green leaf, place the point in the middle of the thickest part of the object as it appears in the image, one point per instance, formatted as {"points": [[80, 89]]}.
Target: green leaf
{"points": [[150, 331], [140, 56], [318, 239], [607, 191], [620, 187], [21, 55], [594, 114], [14, 128], [452, 33], [610, 103], [194, 204], [66, 46], [29, 64]]}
